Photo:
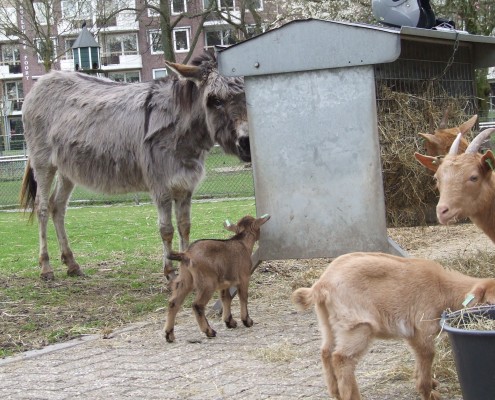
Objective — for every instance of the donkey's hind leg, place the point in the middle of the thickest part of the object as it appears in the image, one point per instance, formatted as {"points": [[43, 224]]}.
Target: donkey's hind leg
{"points": [[58, 206], [44, 179]]}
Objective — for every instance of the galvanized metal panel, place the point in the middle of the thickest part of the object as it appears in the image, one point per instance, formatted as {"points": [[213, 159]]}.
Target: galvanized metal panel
{"points": [[316, 163], [310, 45]]}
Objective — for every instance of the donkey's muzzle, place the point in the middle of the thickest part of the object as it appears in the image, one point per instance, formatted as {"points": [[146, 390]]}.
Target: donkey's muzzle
{"points": [[244, 149]]}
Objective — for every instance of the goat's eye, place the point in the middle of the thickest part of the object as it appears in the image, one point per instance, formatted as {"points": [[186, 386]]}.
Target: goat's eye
{"points": [[214, 101], [473, 178]]}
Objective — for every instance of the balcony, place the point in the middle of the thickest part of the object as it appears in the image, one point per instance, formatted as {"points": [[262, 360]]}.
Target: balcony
{"points": [[10, 70], [115, 61]]}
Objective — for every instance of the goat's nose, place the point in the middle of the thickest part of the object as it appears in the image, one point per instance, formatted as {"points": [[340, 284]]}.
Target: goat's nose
{"points": [[442, 209]]}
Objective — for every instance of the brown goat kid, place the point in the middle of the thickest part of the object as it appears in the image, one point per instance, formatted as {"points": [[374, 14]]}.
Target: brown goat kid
{"points": [[362, 296], [209, 265]]}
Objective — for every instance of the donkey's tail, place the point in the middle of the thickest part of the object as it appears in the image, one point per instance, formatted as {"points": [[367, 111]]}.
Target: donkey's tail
{"points": [[29, 187], [178, 257]]}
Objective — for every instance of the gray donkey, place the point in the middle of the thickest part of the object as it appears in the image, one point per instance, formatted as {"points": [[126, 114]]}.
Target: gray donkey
{"points": [[118, 138]]}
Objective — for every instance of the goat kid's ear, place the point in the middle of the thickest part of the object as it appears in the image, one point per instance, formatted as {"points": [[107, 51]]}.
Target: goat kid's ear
{"points": [[429, 138], [432, 163], [229, 226], [479, 293], [189, 72], [261, 220], [488, 161]]}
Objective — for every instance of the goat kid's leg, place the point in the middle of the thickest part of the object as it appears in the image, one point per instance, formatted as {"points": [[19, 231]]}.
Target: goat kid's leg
{"points": [[351, 344], [226, 309], [243, 300], [202, 297], [182, 286], [58, 206], [424, 350], [167, 234], [44, 179], [327, 348]]}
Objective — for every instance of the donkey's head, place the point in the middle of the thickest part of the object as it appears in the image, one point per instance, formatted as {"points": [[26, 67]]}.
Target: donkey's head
{"points": [[224, 103]]}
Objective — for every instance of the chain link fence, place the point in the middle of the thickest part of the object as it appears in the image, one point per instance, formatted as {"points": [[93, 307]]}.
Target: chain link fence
{"points": [[226, 176]]}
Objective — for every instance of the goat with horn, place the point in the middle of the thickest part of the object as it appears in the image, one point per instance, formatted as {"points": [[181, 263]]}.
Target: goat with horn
{"points": [[466, 183]]}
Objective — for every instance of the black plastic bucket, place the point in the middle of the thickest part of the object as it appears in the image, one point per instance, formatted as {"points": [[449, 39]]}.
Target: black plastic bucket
{"points": [[474, 354]]}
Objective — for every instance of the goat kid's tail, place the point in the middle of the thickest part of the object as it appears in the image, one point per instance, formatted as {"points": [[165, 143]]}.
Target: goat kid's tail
{"points": [[303, 298], [29, 188]]}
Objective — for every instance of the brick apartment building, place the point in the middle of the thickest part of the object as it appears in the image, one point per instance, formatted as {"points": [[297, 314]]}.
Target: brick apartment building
{"points": [[130, 49]]}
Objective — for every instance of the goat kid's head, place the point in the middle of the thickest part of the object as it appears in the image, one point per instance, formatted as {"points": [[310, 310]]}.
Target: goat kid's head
{"points": [[224, 102], [464, 181], [438, 141], [247, 224]]}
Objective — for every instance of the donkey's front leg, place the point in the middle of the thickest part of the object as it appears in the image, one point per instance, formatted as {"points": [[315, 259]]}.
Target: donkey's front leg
{"points": [[183, 218], [167, 234]]}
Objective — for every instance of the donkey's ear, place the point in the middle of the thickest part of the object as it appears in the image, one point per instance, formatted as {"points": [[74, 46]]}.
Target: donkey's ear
{"points": [[429, 162], [189, 72]]}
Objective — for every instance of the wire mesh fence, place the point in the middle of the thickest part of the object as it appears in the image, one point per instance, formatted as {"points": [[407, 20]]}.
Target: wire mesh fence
{"points": [[226, 176]]}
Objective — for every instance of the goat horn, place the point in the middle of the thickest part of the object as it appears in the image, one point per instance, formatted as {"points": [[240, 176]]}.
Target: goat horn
{"points": [[454, 149], [475, 145], [445, 118]]}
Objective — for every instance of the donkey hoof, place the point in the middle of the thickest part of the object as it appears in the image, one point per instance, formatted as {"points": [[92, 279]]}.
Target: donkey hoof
{"points": [[248, 322], [211, 333], [47, 276], [75, 272]]}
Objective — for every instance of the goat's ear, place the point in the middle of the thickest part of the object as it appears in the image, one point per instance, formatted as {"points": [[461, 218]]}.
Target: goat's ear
{"points": [[432, 163], [229, 226], [429, 138], [261, 220], [468, 124], [488, 161], [189, 72], [478, 291]]}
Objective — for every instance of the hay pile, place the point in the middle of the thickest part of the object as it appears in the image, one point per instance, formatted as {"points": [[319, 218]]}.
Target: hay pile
{"points": [[410, 194]]}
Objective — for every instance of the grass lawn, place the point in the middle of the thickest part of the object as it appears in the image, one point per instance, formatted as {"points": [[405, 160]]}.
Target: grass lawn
{"points": [[120, 251]]}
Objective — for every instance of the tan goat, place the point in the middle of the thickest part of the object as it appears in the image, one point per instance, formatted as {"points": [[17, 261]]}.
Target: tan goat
{"points": [[466, 184], [209, 265], [362, 296], [439, 141]]}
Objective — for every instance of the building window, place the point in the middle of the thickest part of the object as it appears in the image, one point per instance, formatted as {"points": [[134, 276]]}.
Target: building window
{"points": [[232, 5], [14, 93], [44, 12], [160, 73], [69, 53], [43, 50], [220, 37], [156, 42], [8, 21], [77, 11], [181, 39], [178, 6], [128, 76], [11, 58], [116, 45]]}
